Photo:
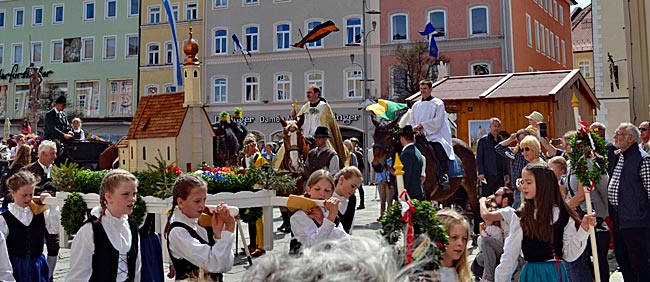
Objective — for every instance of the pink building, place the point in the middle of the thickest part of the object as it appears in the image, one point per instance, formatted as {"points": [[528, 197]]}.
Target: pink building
{"points": [[474, 35]]}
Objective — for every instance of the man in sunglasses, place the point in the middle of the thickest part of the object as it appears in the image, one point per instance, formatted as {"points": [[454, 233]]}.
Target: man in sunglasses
{"points": [[644, 128]]}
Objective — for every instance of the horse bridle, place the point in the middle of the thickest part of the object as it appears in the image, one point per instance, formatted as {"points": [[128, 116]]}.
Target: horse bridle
{"points": [[295, 147]]}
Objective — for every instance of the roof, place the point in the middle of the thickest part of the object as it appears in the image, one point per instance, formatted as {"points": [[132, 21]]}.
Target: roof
{"points": [[158, 116], [581, 30], [508, 86], [122, 143]]}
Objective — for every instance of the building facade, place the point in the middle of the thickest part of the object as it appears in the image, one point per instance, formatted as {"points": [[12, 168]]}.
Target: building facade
{"points": [[637, 41], [480, 37], [582, 43], [87, 49], [611, 80], [275, 75], [157, 56]]}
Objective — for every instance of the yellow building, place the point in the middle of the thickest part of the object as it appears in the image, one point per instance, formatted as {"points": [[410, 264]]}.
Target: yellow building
{"points": [[156, 54], [637, 43], [610, 63], [582, 43]]}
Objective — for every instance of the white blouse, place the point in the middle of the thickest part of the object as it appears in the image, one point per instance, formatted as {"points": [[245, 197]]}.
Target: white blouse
{"points": [[573, 244], [218, 258], [307, 233], [6, 272], [25, 215], [118, 232]]}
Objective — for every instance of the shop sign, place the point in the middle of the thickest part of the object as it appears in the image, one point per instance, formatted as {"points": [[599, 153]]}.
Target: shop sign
{"points": [[346, 119], [15, 74]]}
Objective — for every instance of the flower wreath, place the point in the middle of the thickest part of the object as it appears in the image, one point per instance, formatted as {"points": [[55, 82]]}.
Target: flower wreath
{"points": [[425, 223], [587, 147]]}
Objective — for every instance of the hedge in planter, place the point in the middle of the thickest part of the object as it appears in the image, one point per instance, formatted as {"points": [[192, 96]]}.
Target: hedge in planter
{"points": [[73, 213]]}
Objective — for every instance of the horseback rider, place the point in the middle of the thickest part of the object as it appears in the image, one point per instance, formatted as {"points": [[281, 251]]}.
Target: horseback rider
{"points": [[429, 118]]}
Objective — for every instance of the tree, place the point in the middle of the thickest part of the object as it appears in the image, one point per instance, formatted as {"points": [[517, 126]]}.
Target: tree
{"points": [[413, 65]]}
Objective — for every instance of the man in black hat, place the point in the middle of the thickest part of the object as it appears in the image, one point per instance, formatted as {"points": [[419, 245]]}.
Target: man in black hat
{"points": [[322, 157], [57, 127], [413, 164]]}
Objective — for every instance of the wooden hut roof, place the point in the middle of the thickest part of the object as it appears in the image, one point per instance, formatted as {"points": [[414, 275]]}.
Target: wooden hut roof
{"points": [[158, 116]]}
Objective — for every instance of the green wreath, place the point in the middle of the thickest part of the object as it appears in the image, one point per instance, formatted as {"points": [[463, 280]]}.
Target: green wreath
{"points": [[73, 213], [582, 153], [425, 223]]}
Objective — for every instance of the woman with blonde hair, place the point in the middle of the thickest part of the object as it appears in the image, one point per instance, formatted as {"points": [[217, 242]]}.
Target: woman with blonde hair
{"points": [[346, 183], [454, 266], [23, 158]]}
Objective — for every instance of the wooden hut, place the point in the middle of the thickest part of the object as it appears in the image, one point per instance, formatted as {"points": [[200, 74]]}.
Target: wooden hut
{"points": [[511, 97]]}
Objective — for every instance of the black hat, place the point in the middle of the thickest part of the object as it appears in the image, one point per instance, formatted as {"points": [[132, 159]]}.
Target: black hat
{"points": [[61, 100], [407, 130], [322, 131]]}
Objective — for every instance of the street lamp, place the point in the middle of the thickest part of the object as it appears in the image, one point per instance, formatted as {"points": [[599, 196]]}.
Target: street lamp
{"points": [[364, 71]]}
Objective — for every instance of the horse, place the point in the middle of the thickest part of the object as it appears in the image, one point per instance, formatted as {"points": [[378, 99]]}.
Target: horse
{"points": [[386, 144], [296, 149], [225, 144]]}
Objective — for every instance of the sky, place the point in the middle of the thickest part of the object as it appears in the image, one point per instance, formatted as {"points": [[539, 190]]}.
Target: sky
{"points": [[582, 3]]}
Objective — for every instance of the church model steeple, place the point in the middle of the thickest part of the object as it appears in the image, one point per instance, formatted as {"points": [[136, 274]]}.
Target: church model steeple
{"points": [[192, 74]]}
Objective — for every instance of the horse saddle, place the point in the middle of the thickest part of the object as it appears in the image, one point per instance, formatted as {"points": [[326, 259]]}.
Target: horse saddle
{"points": [[456, 169]]}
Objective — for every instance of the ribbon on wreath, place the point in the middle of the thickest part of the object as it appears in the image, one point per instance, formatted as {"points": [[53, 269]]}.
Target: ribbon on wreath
{"points": [[408, 210], [584, 129]]}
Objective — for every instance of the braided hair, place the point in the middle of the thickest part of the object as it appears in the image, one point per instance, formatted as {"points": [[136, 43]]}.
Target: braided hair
{"points": [[20, 179], [109, 183], [182, 188]]}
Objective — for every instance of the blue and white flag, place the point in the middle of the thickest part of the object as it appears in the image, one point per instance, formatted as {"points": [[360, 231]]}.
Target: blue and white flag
{"points": [[178, 78], [430, 30], [238, 46]]}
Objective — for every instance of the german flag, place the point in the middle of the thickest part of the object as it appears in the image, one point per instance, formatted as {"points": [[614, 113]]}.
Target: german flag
{"points": [[317, 33]]}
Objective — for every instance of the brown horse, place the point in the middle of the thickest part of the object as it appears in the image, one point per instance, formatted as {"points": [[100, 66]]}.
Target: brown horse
{"points": [[387, 144], [225, 144], [296, 150]]}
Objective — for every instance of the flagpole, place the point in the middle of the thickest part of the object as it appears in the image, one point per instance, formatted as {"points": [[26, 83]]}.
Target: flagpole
{"points": [[247, 63], [307, 48]]}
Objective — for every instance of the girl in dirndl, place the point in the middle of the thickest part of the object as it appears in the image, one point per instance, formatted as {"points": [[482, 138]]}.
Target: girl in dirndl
{"points": [[24, 225], [544, 229]]}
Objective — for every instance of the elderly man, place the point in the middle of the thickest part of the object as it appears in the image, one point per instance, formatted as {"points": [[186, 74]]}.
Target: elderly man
{"points": [[629, 204], [644, 143], [43, 168], [491, 166]]}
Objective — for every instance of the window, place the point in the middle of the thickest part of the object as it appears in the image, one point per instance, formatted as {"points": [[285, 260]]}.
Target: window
{"points": [[353, 89], [17, 53], [353, 28], [2, 54], [315, 78], [551, 45], [220, 90], [480, 68], [252, 35], [56, 51], [585, 68], [151, 89], [557, 49], [399, 27], [221, 3], [529, 34], [548, 51], [132, 45], [111, 9], [283, 87], [169, 53], [479, 20], [563, 54], [251, 88], [310, 27], [2, 18], [175, 7], [545, 5], [283, 36], [134, 8], [37, 15], [191, 11], [57, 13], [251, 2], [220, 41], [154, 14], [19, 17], [537, 36], [541, 31], [153, 54], [438, 19], [87, 49], [170, 88], [561, 15], [36, 49], [555, 9], [110, 42], [89, 10]]}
